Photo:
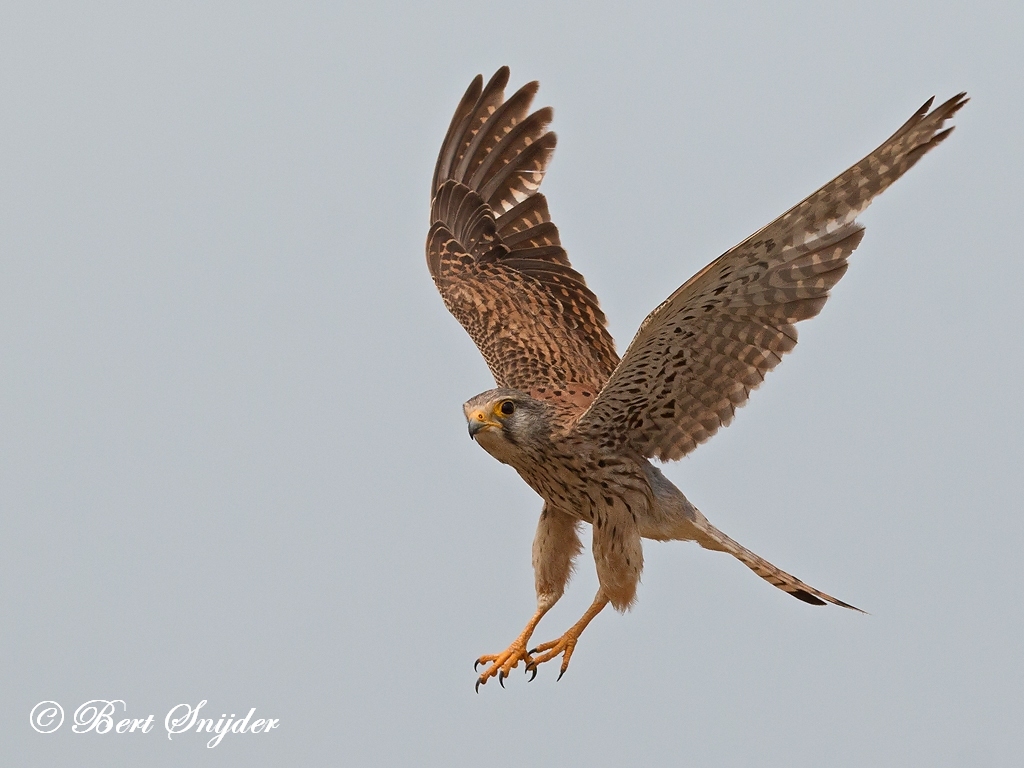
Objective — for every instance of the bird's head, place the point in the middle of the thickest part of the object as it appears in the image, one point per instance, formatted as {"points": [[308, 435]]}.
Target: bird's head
{"points": [[505, 422]]}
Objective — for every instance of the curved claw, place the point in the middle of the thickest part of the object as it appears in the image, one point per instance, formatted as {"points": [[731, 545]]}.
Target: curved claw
{"points": [[501, 678], [532, 651], [560, 674], [478, 682], [532, 669], [477, 663]]}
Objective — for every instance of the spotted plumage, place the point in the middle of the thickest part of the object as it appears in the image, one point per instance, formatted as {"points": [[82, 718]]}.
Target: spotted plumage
{"points": [[578, 423]]}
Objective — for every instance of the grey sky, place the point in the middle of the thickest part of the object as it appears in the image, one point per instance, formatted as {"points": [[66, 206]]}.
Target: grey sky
{"points": [[233, 462]]}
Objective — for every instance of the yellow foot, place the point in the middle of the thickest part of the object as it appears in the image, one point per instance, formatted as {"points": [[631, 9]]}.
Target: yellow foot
{"points": [[564, 645], [503, 663]]}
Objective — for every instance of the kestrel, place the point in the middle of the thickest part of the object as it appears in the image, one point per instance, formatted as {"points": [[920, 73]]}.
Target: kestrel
{"points": [[577, 423]]}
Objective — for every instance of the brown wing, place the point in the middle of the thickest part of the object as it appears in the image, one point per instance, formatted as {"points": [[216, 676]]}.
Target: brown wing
{"points": [[697, 357], [496, 257]]}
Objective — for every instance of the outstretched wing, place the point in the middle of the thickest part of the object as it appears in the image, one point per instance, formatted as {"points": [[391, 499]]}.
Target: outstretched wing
{"points": [[495, 255], [697, 357]]}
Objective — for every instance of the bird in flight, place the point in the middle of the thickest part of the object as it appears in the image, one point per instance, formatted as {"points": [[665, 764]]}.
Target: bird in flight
{"points": [[578, 423]]}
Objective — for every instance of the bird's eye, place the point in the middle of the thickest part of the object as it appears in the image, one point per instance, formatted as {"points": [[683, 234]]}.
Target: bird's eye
{"points": [[508, 408]]}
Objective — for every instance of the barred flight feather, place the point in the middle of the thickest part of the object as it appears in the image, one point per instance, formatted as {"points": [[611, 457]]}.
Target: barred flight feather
{"points": [[743, 306], [497, 258]]}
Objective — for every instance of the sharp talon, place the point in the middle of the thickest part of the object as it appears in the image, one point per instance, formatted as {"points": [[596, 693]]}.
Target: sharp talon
{"points": [[560, 674], [532, 652], [476, 664], [477, 686], [534, 671], [501, 679]]}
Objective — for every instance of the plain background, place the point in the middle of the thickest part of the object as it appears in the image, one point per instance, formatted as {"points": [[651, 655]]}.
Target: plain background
{"points": [[233, 461]]}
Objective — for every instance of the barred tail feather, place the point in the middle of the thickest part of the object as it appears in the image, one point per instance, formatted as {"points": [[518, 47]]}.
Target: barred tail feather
{"points": [[712, 538]]}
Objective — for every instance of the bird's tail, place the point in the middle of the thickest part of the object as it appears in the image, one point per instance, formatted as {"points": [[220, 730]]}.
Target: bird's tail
{"points": [[712, 538], [673, 518]]}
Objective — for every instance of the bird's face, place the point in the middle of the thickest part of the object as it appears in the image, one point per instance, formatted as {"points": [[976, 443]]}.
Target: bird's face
{"points": [[500, 420]]}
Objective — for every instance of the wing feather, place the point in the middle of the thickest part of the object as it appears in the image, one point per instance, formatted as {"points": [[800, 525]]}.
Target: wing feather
{"points": [[496, 256], [501, 121], [515, 141], [698, 356], [442, 169]]}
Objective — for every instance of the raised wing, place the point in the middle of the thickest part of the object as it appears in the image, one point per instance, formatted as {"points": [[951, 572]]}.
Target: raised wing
{"points": [[697, 357], [495, 255]]}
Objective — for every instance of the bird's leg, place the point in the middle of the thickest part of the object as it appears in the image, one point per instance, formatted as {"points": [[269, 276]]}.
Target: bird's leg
{"points": [[566, 644], [502, 663], [555, 545]]}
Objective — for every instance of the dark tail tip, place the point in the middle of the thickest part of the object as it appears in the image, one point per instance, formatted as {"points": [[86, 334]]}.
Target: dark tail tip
{"points": [[807, 597]]}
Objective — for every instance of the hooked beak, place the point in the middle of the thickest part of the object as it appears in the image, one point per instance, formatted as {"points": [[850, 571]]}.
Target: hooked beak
{"points": [[478, 421]]}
